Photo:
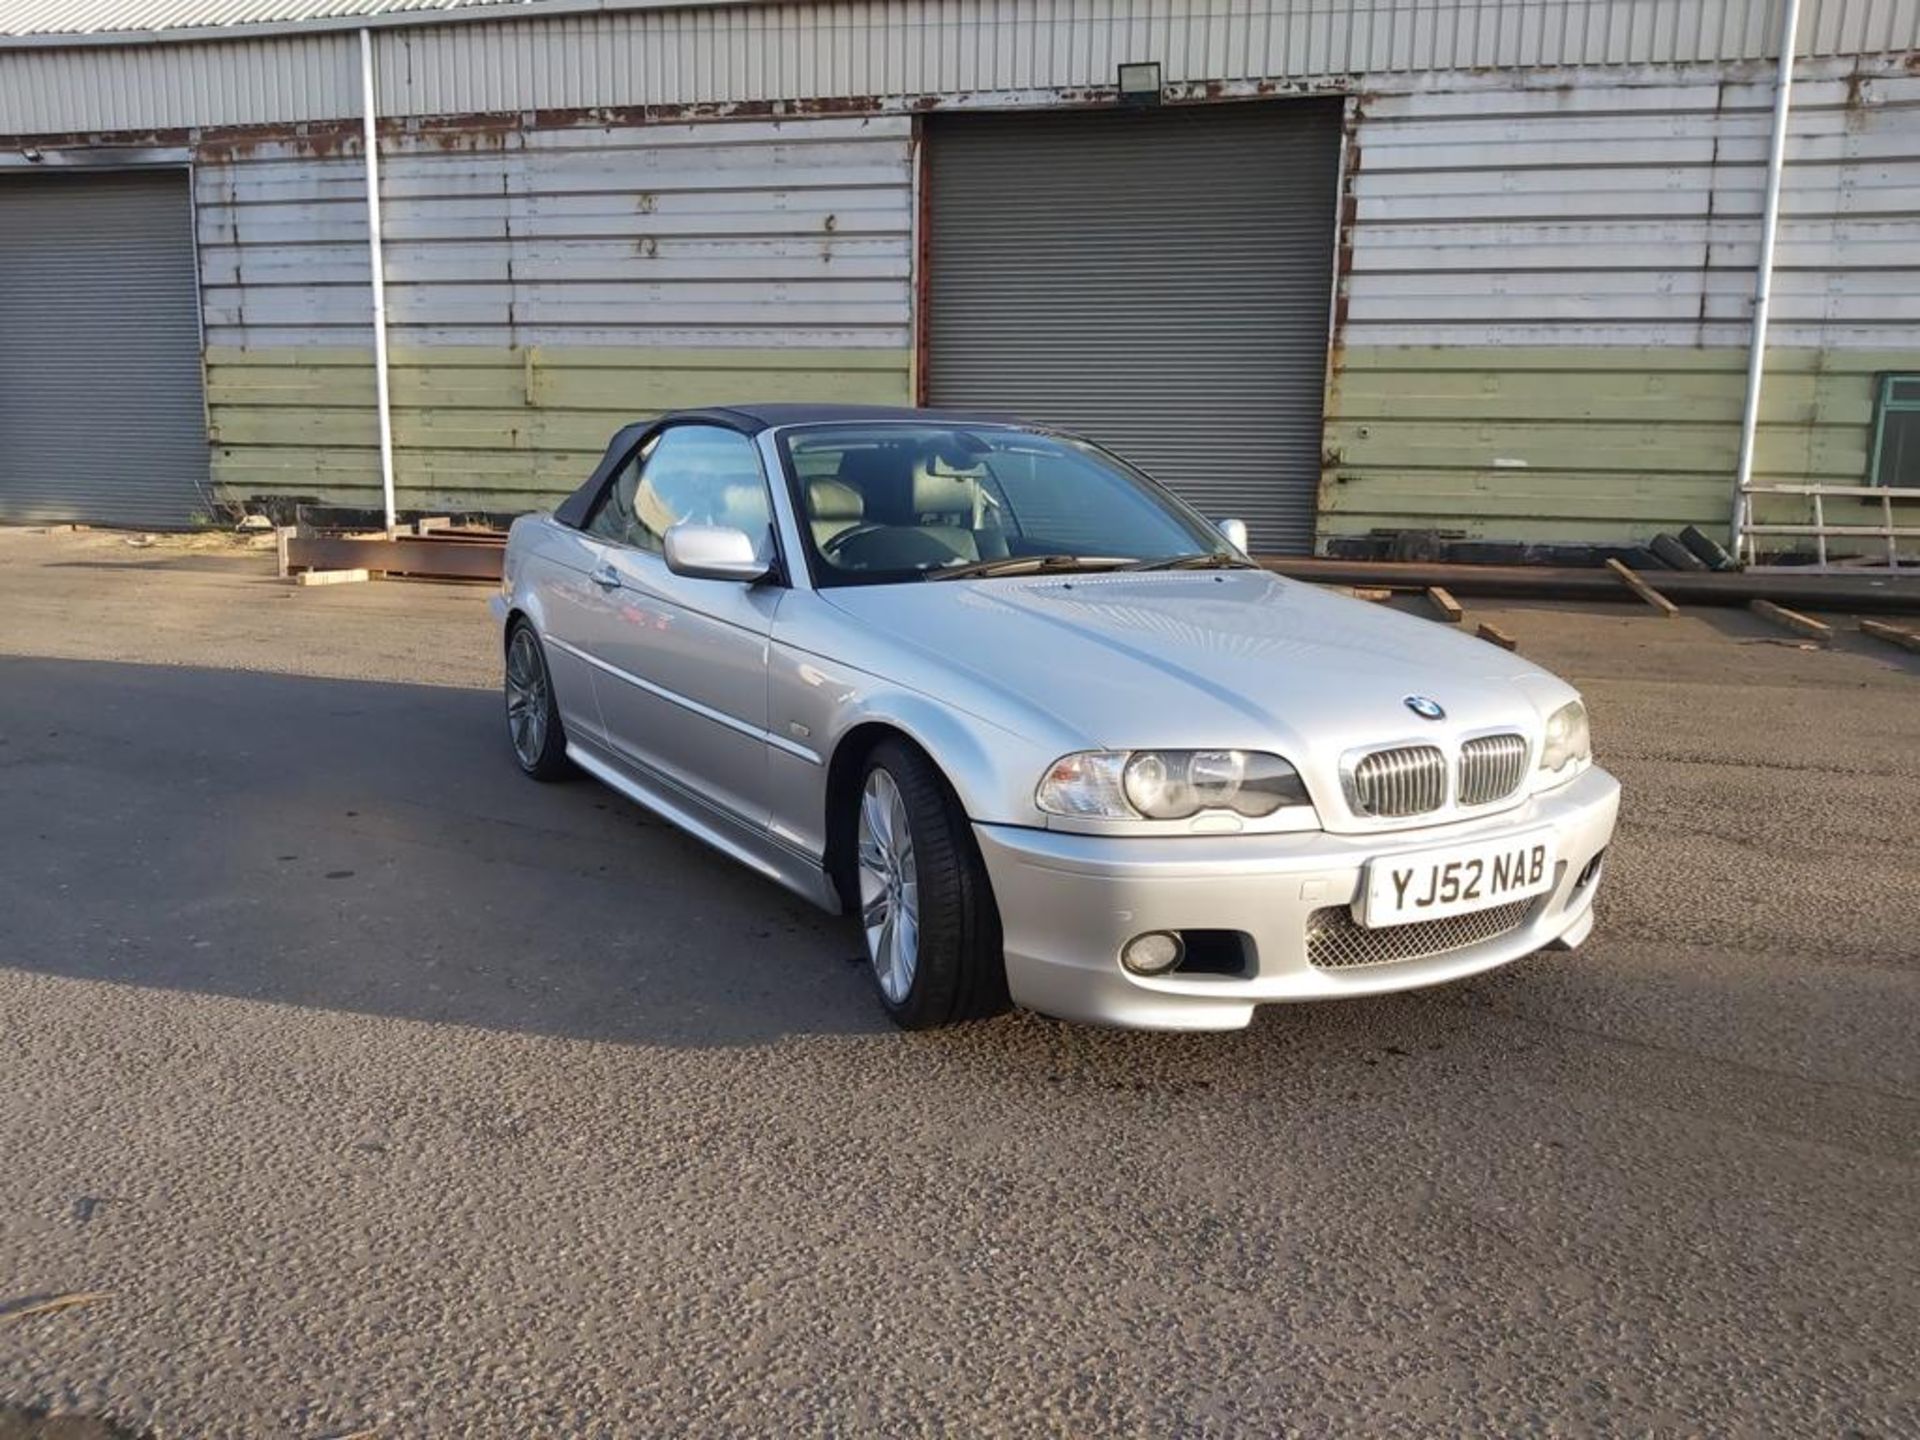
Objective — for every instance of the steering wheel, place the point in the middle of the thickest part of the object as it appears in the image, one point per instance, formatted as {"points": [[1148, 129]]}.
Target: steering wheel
{"points": [[833, 545]]}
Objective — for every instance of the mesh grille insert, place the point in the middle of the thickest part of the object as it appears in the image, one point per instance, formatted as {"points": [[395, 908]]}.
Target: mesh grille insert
{"points": [[1336, 941]]}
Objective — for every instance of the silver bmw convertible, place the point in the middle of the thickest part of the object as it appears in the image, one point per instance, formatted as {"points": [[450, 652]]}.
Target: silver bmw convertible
{"points": [[1044, 729]]}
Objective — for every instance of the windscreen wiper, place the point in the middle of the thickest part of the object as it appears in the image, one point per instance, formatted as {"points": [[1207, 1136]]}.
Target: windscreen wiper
{"points": [[1025, 565], [1203, 560]]}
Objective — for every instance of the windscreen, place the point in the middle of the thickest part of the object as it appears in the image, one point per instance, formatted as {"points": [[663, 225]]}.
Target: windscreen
{"points": [[893, 502]]}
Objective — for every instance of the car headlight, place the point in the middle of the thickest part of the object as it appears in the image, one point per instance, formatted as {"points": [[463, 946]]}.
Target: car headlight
{"points": [[1567, 743], [1168, 784]]}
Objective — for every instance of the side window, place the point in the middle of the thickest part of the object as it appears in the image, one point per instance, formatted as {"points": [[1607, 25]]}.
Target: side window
{"points": [[612, 517], [702, 475]]}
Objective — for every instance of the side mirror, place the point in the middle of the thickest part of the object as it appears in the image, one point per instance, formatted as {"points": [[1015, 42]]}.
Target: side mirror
{"points": [[1235, 531], [713, 552]]}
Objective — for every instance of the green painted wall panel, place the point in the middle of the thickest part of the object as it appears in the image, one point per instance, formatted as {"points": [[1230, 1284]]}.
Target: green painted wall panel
{"points": [[486, 429], [1527, 443], [1585, 444]]}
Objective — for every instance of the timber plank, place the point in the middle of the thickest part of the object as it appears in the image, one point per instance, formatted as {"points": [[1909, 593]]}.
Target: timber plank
{"points": [[1892, 634], [1791, 619], [1645, 591], [1494, 635]]}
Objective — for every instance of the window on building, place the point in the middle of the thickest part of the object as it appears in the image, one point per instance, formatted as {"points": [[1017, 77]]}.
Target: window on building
{"points": [[1896, 432]]}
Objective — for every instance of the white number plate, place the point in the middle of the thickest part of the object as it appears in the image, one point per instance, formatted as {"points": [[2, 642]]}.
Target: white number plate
{"points": [[1433, 884]]}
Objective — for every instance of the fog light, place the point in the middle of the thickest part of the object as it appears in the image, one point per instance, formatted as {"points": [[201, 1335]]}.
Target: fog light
{"points": [[1154, 953], [1592, 871]]}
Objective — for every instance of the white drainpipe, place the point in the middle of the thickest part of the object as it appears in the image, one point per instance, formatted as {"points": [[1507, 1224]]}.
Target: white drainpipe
{"points": [[1763, 271], [369, 131]]}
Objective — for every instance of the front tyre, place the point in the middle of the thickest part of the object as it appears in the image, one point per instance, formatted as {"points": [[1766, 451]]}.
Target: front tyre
{"points": [[533, 715], [926, 908]]}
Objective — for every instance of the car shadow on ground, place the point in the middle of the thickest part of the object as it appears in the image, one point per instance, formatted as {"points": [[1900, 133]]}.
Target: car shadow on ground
{"points": [[372, 847]]}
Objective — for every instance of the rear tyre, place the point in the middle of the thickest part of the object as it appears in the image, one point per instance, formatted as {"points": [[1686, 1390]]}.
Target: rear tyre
{"points": [[533, 715], [925, 905]]}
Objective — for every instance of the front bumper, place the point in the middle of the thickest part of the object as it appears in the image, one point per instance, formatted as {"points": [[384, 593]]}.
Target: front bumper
{"points": [[1069, 902]]}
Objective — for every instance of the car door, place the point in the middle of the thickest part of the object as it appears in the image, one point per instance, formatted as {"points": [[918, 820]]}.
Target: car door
{"points": [[556, 569], [680, 664]]}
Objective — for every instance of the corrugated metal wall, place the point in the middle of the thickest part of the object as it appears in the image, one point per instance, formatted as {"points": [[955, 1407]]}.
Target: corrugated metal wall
{"points": [[911, 47], [1547, 312], [889, 48], [543, 287], [51, 91]]}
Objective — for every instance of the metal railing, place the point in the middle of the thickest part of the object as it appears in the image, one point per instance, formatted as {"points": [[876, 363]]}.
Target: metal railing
{"points": [[1887, 531]]}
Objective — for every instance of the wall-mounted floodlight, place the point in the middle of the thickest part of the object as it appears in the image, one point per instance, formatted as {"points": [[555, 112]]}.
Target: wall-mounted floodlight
{"points": [[1139, 83]]}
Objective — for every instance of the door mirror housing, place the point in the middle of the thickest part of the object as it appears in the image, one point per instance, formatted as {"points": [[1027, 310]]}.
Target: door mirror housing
{"points": [[1235, 531], [714, 552]]}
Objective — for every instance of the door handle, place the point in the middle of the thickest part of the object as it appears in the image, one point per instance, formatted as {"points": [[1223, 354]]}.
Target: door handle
{"points": [[606, 577]]}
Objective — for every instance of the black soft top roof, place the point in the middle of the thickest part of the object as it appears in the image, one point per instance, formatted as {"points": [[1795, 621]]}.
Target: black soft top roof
{"points": [[752, 419], [747, 420]]}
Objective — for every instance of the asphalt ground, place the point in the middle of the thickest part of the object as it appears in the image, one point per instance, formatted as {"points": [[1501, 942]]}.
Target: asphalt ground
{"points": [[376, 1090]]}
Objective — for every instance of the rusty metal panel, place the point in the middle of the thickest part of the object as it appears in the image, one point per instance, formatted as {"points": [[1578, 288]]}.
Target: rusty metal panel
{"points": [[1547, 295], [1625, 214], [282, 228], [543, 287], [764, 233], [757, 233]]}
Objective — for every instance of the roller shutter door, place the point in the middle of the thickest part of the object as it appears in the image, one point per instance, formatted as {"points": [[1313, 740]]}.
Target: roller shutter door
{"points": [[1157, 280], [101, 416]]}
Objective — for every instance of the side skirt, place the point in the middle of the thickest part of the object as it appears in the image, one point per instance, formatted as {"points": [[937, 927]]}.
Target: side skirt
{"points": [[751, 846]]}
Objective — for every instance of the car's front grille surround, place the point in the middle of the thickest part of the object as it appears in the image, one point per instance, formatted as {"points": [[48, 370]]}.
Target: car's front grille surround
{"points": [[1401, 781], [1491, 768], [1336, 941]]}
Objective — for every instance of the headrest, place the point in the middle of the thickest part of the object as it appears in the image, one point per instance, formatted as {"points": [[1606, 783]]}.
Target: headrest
{"points": [[831, 500], [939, 489]]}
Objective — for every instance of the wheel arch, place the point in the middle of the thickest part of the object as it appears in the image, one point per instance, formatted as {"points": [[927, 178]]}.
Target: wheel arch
{"points": [[844, 769], [968, 917], [515, 614], [988, 771]]}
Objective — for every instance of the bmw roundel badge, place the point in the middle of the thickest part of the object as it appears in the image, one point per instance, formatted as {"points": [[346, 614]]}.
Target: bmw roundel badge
{"points": [[1426, 709]]}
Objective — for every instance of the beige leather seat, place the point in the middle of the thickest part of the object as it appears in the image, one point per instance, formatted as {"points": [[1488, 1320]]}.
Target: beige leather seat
{"points": [[834, 508]]}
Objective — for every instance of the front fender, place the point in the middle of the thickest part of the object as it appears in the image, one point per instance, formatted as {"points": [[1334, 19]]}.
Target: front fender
{"points": [[817, 705], [992, 770]]}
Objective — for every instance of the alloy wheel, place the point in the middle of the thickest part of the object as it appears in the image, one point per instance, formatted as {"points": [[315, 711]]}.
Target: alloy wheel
{"points": [[527, 698], [889, 887]]}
